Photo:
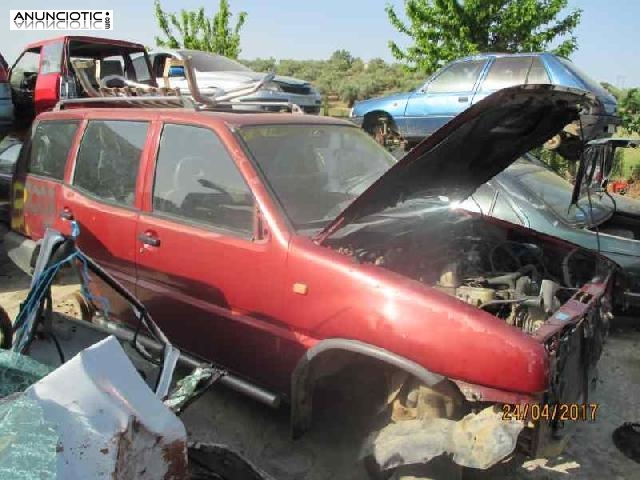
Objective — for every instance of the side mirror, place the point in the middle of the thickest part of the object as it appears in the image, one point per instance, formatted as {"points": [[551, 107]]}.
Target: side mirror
{"points": [[176, 71]]}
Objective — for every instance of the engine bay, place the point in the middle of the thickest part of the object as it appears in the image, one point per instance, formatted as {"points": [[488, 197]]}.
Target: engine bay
{"points": [[516, 277]]}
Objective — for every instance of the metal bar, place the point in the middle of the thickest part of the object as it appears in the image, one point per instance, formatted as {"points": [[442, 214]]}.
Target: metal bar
{"points": [[175, 101], [231, 381], [293, 107]]}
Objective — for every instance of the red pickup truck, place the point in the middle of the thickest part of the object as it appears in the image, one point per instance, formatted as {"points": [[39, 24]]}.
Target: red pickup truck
{"points": [[47, 71], [293, 250]]}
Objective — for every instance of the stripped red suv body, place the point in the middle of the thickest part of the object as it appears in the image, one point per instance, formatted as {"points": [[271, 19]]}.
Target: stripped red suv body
{"points": [[268, 304], [43, 73]]}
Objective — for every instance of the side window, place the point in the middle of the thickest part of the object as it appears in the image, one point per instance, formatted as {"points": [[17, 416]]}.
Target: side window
{"points": [[197, 180], [25, 70], [504, 211], [50, 144], [109, 158], [140, 66], [510, 71], [8, 158], [458, 77], [51, 58]]}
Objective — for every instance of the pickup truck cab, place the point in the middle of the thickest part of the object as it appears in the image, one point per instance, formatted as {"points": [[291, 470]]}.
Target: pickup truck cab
{"points": [[47, 71], [294, 250]]}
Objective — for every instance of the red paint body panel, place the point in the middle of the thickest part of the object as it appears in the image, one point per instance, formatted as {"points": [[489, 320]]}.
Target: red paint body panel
{"points": [[382, 308], [232, 300]]}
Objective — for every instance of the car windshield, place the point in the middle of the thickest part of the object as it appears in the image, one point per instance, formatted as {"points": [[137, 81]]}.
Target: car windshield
{"points": [[208, 62], [556, 193], [316, 171]]}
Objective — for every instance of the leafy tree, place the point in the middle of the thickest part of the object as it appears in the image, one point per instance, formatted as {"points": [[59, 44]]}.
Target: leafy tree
{"points": [[443, 30], [629, 109], [198, 32], [342, 59]]}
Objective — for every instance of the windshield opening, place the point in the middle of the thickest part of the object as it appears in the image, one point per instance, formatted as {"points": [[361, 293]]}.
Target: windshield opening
{"points": [[315, 171], [556, 193]]}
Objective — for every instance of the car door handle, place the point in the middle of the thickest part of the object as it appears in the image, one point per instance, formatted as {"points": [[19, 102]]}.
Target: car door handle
{"points": [[463, 99], [149, 238], [66, 214]]}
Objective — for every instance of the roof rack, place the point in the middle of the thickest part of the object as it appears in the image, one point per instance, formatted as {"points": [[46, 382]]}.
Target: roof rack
{"points": [[141, 95]]}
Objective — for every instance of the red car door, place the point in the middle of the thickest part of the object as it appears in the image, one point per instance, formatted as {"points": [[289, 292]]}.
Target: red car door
{"points": [[102, 198], [47, 92], [203, 273], [40, 170]]}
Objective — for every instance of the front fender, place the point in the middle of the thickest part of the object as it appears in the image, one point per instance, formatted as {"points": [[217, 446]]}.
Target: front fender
{"points": [[309, 369]]}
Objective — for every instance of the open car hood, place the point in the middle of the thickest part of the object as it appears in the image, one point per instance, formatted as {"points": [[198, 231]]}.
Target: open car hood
{"points": [[470, 149], [596, 164]]}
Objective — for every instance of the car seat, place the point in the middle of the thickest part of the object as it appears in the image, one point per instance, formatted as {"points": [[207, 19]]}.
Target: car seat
{"points": [[188, 171]]}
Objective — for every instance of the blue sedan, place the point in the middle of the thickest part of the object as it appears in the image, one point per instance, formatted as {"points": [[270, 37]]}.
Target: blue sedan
{"points": [[407, 118]]}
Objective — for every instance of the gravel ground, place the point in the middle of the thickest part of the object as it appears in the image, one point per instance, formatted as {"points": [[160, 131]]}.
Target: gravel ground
{"points": [[222, 416]]}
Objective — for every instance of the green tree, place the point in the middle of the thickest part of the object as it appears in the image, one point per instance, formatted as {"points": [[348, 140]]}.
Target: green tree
{"points": [[443, 30], [196, 31], [629, 109]]}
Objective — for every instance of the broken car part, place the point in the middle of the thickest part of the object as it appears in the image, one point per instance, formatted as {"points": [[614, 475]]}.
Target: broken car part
{"points": [[476, 441]]}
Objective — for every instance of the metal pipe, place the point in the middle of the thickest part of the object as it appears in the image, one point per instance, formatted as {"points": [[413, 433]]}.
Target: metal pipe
{"points": [[231, 381]]}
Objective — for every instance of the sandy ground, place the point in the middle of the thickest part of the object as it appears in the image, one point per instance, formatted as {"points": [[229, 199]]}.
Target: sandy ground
{"points": [[262, 434]]}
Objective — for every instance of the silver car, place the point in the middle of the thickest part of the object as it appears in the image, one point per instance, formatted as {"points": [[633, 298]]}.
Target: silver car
{"points": [[216, 74]]}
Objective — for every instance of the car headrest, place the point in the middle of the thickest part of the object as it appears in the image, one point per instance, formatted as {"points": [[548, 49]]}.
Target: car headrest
{"points": [[110, 67]]}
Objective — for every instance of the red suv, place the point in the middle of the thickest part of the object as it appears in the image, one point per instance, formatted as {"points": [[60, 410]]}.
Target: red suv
{"points": [[292, 249]]}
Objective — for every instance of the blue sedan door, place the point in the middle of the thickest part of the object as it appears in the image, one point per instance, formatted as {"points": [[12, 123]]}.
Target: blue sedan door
{"points": [[443, 97]]}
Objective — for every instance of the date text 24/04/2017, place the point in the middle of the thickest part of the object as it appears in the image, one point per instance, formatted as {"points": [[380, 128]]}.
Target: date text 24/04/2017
{"points": [[575, 412]]}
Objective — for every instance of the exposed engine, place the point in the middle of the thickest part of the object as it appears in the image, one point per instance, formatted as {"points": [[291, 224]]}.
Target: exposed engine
{"points": [[483, 265]]}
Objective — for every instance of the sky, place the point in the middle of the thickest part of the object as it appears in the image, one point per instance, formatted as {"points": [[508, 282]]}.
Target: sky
{"points": [[607, 35]]}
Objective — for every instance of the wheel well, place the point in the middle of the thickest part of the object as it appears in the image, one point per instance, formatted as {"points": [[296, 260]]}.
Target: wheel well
{"points": [[370, 119], [329, 359]]}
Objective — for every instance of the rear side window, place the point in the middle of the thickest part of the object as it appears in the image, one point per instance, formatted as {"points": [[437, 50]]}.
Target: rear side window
{"points": [[109, 158], [50, 146], [509, 71], [197, 180], [51, 58]]}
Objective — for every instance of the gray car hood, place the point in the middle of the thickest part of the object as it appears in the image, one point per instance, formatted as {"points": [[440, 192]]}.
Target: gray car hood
{"points": [[246, 77], [470, 149]]}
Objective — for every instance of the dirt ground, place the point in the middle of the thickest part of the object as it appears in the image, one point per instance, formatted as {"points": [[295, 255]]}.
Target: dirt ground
{"points": [[262, 434]]}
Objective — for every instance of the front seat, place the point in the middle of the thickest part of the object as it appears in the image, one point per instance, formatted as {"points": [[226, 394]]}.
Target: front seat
{"points": [[185, 181]]}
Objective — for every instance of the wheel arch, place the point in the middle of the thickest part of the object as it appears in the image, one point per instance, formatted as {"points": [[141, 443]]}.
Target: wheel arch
{"points": [[368, 120], [329, 356]]}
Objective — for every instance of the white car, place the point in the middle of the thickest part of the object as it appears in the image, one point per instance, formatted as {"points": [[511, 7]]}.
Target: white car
{"points": [[216, 74]]}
